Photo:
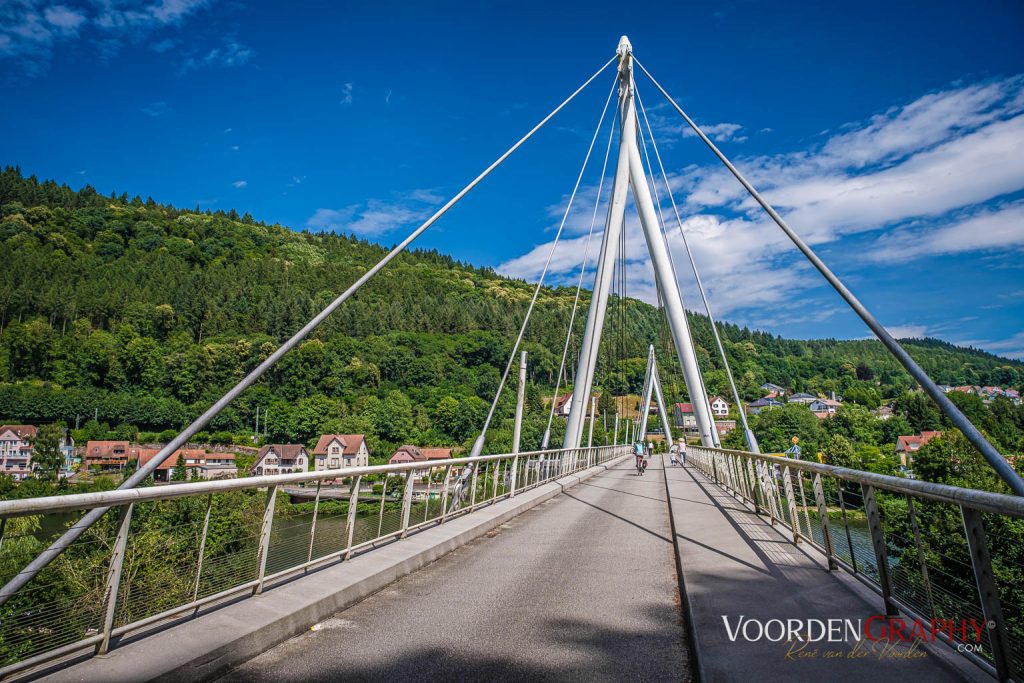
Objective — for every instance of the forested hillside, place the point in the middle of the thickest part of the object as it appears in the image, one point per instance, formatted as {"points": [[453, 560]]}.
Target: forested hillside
{"points": [[141, 314]]}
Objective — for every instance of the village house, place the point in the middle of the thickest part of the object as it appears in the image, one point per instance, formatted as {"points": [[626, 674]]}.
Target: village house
{"points": [[773, 388], [802, 398], [338, 451], [723, 427], [755, 407], [824, 405], [16, 450], [683, 417], [719, 406], [67, 449], [906, 445], [199, 464], [409, 453], [279, 458], [563, 404], [108, 455]]}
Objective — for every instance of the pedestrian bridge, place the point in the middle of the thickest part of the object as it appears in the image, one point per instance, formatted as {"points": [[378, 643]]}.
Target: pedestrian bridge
{"points": [[560, 564], [550, 564]]}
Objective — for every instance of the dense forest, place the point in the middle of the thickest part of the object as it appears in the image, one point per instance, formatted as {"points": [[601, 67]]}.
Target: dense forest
{"points": [[120, 314]]}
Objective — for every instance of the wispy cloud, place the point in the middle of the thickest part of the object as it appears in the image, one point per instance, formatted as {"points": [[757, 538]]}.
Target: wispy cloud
{"points": [[231, 53], [155, 109], [376, 217], [31, 29], [240, 184], [347, 97]]}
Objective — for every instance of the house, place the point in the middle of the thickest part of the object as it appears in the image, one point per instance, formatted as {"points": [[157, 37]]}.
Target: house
{"points": [[199, 464], [337, 451], [945, 388], [967, 389], [683, 417], [723, 427], [719, 406], [409, 453], [884, 412], [1013, 395], [755, 407], [165, 470], [821, 414], [802, 398], [281, 458], [16, 450], [906, 445], [774, 388], [67, 449], [108, 455], [824, 405], [217, 466], [563, 404]]}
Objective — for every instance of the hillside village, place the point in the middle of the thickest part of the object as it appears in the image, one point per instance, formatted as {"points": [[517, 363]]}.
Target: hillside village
{"points": [[344, 451]]}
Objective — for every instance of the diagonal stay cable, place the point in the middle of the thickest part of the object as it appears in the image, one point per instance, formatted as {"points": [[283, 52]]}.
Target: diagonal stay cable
{"points": [[747, 434], [71, 535], [973, 434], [579, 286], [479, 443]]}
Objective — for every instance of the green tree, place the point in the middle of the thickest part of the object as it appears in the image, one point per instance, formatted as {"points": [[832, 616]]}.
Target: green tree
{"points": [[47, 458], [179, 473]]}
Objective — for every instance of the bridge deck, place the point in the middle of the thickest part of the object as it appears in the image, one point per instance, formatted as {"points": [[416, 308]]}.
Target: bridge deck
{"points": [[734, 563], [582, 587]]}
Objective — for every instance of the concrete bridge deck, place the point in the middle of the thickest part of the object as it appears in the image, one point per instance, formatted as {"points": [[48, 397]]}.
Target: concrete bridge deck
{"points": [[582, 587]]}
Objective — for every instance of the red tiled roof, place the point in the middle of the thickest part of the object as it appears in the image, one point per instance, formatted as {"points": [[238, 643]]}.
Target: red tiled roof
{"points": [[437, 453], [684, 407]]}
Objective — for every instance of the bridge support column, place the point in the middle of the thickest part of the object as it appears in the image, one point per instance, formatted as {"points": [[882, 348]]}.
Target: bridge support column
{"points": [[656, 381]]}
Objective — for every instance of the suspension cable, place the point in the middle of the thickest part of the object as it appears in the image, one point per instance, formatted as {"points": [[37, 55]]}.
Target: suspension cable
{"points": [[579, 286], [71, 535], [973, 434], [748, 435], [478, 445]]}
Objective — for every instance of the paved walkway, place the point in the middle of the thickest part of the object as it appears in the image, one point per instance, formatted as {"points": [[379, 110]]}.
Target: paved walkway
{"points": [[583, 587], [735, 564]]}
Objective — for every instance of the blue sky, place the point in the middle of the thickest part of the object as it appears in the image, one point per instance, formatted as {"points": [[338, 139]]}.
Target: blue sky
{"points": [[890, 134]]}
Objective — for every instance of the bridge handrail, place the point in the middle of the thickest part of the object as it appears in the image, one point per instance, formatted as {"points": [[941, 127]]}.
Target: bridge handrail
{"points": [[938, 570], [85, 501], [983, 501]]}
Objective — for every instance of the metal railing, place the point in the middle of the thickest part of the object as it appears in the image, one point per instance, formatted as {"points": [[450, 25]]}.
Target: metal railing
{"points": [[162, 553], [931, 551]]}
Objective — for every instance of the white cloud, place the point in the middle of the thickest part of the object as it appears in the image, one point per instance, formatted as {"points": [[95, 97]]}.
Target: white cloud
{"points": [[376, 217], [898, 173], [1001, 227], [346, 94], [240, 184], [64, 19]]}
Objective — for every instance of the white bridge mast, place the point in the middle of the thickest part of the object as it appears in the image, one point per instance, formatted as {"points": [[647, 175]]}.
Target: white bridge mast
{"points": [[629, 173]]}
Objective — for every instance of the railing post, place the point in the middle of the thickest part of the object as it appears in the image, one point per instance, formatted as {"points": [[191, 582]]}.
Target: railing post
{"points": [[312, 528], [268, 523], [794, 520], [922, 562], [841, 495], [753, 485], [113, 587], [444, 493], [495, 477], [514, 474], [803, 504], [826, 529], [202, 547], [350, 524], [410, 481], [472, 493], [988, 593], [881, 551]]}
